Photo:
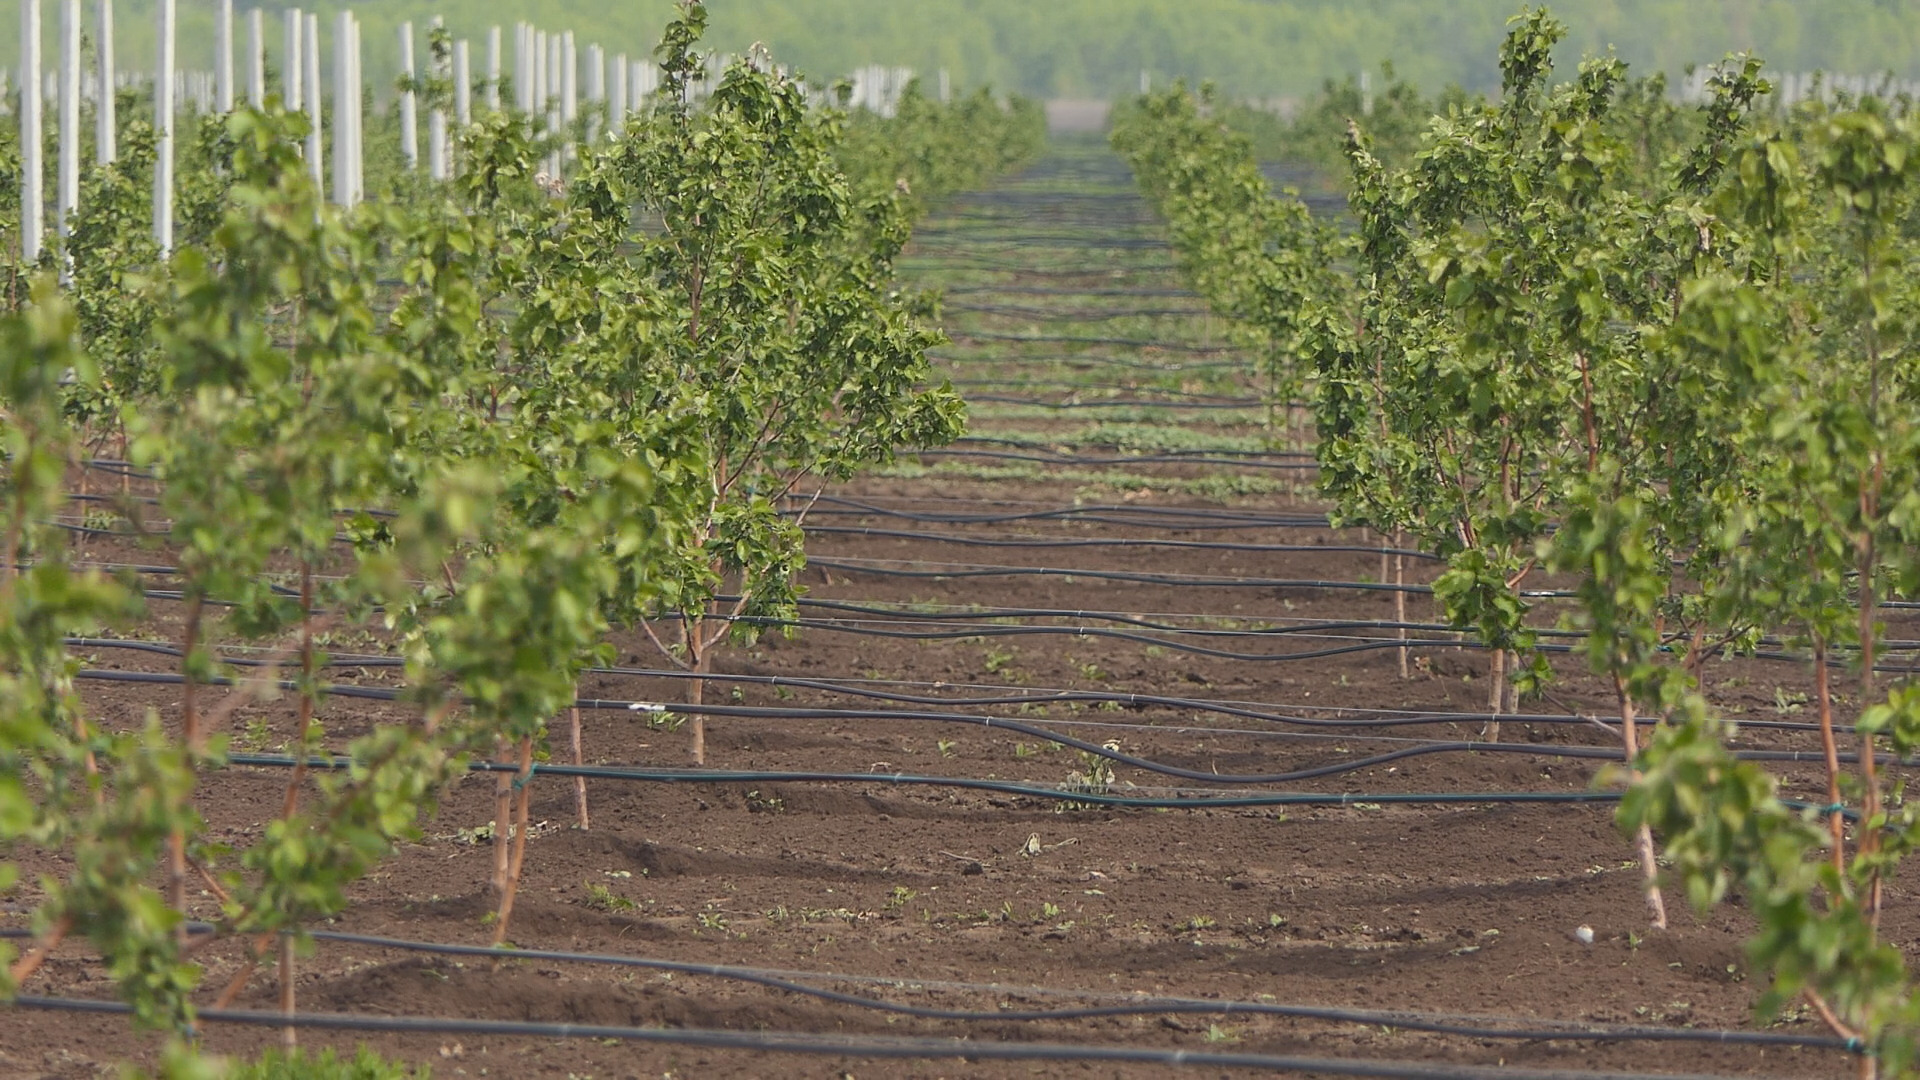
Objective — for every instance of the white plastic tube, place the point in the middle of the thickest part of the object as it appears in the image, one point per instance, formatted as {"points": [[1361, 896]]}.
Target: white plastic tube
{"points": [[343, 109], [163, 128], [223, 56], [293, 81], [256, 58], [409, 101], [463, 82], [32, 137], [309, 68], [106, 136], [68, 189], [493, 72]]}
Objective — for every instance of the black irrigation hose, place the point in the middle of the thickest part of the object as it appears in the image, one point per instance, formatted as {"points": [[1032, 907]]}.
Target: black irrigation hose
{"points": [[1439, 1023], [1172, 399], [1371, 645], [1092, 511], [1345, 766], [1116, 542], [1068, 339], [1040, 241], [1194, 581], [1387, 718], [1042, 290], [1003, 787], [1087, 361], [1074, 389], [1076, 461], [1480, 1028], [870, 1047], [1012, 311], [1113, 403], [1376, 718], [1110, 444], [1315, 628], [1002, 267]]}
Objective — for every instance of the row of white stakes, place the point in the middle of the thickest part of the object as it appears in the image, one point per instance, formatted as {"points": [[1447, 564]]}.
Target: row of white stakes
{"points": [[547, 61]]}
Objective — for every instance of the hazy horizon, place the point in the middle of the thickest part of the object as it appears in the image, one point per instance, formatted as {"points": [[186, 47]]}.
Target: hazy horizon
{"points": [[1080, 48]]}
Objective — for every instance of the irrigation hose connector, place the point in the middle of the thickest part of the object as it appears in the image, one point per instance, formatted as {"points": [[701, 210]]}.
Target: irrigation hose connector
{"points": [[646, 707]]}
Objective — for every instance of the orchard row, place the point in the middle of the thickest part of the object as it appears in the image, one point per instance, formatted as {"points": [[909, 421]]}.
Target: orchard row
{"points": [[1667, 354], [486, 421]]}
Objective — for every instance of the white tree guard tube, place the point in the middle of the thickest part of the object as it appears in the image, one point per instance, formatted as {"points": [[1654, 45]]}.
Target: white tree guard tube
{"points": [[32, 137], [106, 136]]}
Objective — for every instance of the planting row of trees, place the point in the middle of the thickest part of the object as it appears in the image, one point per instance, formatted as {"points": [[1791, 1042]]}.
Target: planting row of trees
{"points": [[1666, 354], [486, 420]]}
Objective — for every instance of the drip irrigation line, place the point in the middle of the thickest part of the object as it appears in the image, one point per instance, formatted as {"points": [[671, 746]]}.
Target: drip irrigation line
{"points": [[1093, 518], [1374, 718], [1133, 1005], [1246, 710], [844, 1046], [1035, 731], [1077, 461], [1038, 241], [801, 982], [1067, 339], [935, 262], [1000, 390], [1087, 361], [1141, 515], [1228, 800], [1034, 442], [1042, 290], [993, 631], [1176, 580], [1014, 311], [1116, 403], [1116, 542], [1313, 628]]}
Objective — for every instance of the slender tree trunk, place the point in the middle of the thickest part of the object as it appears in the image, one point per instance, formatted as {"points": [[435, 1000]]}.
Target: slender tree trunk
{"points": [[1836, 821], [579, 782], [190, 739], [1643, 840], [1869, 765], [1400, 601], [521, 817], [502, 820], [1510, 685], [701, 660], [1496, 693], [288, 1036], [36, 956], [255, 954]]}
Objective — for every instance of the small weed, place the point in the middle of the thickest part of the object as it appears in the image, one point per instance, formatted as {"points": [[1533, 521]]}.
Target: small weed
{"points": [[601, 898], [761, 803], [901, 897], [1200, 922], [945, 747], [256, 735]]}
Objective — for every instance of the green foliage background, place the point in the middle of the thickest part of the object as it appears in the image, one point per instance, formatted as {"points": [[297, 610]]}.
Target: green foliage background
{"points": [[1098, 47]]}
